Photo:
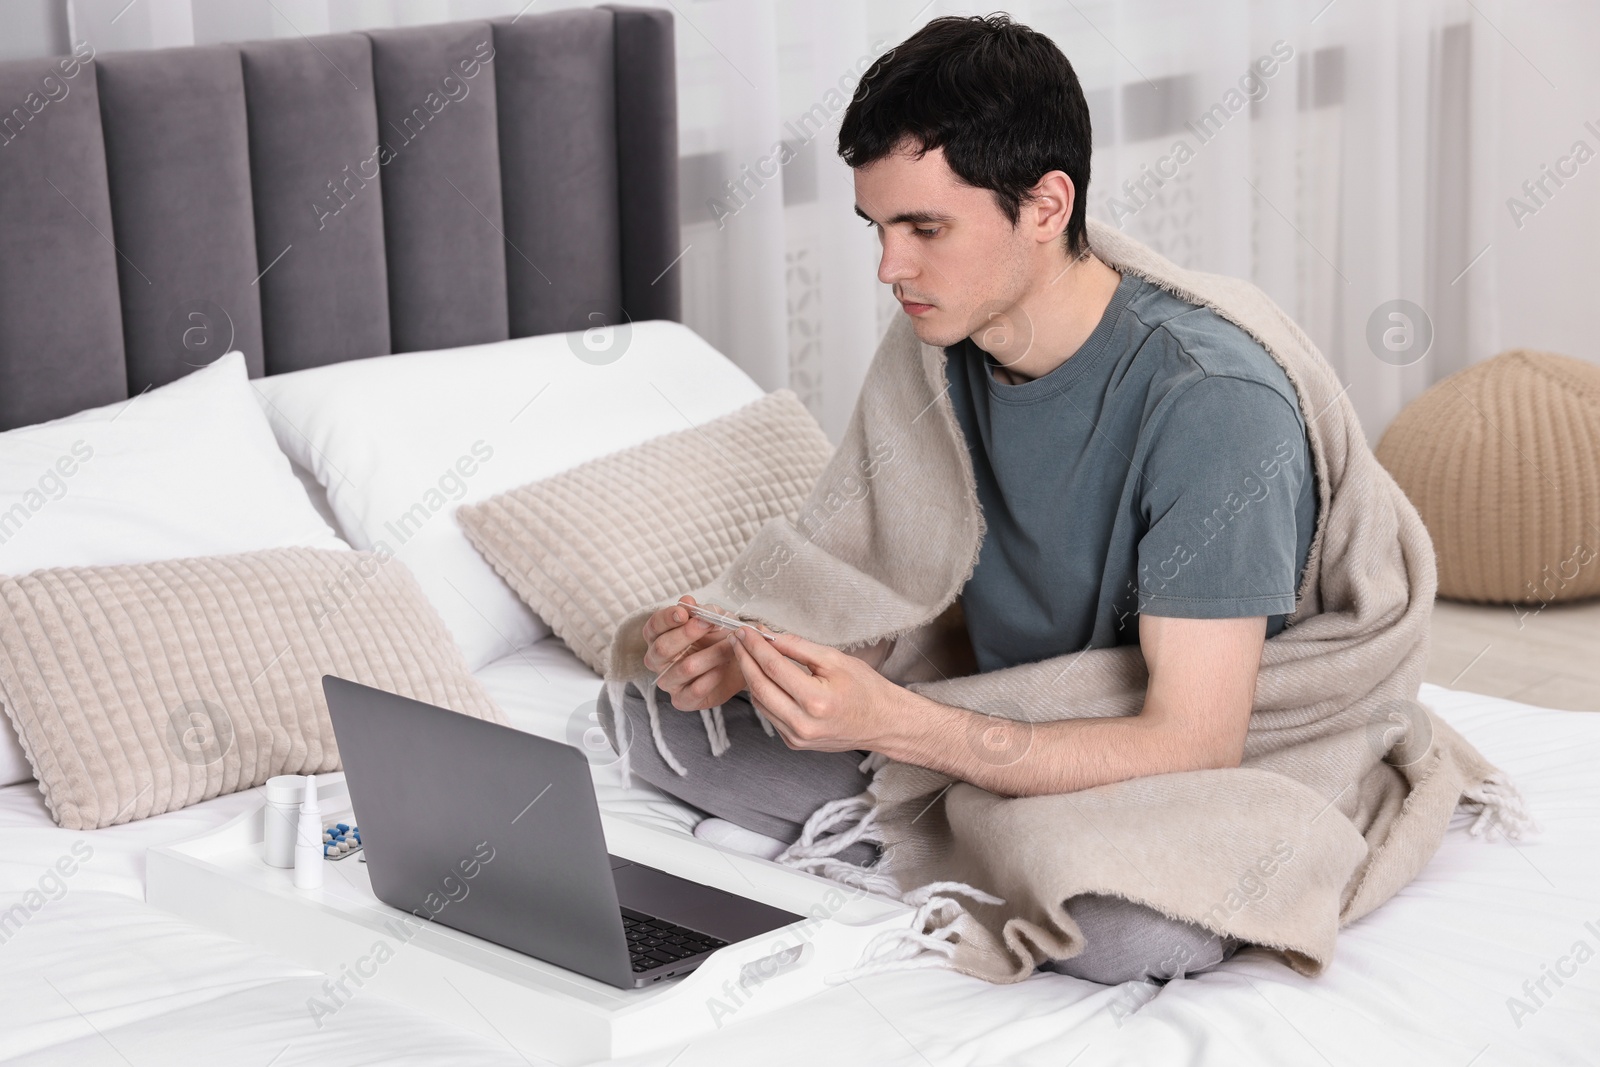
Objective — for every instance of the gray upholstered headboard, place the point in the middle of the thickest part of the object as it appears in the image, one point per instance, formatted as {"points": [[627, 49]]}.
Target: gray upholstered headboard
{"points": [[315, 200]]}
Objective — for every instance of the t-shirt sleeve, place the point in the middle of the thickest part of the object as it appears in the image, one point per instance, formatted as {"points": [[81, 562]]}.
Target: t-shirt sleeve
{"points": [[1219, 489]]}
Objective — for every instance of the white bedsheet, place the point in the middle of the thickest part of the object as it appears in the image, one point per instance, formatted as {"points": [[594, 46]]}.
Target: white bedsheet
{"points": [[98, 976]]}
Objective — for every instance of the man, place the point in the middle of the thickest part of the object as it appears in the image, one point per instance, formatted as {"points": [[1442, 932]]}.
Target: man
{"points": [[1107, 422]]}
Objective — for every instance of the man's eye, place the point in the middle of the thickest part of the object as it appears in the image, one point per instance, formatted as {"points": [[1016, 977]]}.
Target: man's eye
{"points": [[934, 232]]}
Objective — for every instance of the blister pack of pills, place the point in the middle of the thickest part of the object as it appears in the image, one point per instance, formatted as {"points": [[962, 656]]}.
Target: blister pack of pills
{"points": [[340, 840]]}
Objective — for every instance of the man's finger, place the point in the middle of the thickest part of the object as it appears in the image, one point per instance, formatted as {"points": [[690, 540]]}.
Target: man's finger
{"points": [[674, 642], [662, 620], [694, 664], [779, 726], [668, 618], [775, 664], [668, 649], [807, 652], [774, 702]]}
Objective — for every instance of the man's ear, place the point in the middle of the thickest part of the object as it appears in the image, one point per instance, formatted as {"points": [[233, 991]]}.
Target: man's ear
{"points": [[1050, 207]]}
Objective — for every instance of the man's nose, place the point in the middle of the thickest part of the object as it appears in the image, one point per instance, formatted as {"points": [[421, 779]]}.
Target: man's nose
{"points": [[897, 262]]}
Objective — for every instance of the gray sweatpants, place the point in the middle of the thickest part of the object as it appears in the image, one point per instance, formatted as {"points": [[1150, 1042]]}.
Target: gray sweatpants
{"points": [[762, 784]]}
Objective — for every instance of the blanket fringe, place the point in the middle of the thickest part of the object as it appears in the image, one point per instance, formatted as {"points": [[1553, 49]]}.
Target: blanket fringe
{"points": [[616, 693], [830, 830], [713, 719], [1500, 809], [716, 730], [649, 690], [940, 920], [928, 942], [762, 719]]}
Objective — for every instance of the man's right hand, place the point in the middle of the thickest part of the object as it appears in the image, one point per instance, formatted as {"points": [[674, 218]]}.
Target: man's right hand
{"points": [[694, 658]]}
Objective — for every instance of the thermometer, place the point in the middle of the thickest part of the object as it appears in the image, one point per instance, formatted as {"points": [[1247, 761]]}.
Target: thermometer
{"points": [[726, 621]]}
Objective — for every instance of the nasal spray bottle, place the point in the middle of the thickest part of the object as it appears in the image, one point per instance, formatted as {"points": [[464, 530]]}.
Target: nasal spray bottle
{"points": [[308, 840]]}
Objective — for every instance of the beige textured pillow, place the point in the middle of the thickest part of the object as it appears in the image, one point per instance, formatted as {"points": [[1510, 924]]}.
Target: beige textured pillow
{"points": [[1503, 463], [587, 546], [145, 688]]}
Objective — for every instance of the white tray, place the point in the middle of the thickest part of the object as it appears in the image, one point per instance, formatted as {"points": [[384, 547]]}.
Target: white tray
{"points": [[367, 948]]}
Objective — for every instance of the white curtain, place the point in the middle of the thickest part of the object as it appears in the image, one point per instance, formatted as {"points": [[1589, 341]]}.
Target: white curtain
{"points": [[1342, 154]]}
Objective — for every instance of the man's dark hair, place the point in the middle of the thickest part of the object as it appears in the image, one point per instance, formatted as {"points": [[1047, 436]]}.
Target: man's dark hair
{"points": [[999, 98]]}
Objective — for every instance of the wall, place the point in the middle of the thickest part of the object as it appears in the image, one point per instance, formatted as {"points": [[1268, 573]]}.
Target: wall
{"points": [[1549, 269], [1379, 166], [33, 28]]}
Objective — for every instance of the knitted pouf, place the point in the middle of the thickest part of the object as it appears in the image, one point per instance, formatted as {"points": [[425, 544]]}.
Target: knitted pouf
{"points": [[1503, 462]]}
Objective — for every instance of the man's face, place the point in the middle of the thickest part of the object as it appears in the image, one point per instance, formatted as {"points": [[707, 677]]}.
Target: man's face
{"points": [[949, 252]]}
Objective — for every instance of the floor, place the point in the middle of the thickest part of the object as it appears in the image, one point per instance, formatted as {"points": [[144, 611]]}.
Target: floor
{"points": [[1548, 656]]}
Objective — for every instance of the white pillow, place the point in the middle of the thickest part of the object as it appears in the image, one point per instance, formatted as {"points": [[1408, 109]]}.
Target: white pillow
{"points": [[189, 469], [401, 441]]}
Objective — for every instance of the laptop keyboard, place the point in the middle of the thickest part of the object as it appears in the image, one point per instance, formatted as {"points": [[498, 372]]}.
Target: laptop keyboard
{"points": [[655, 942]]}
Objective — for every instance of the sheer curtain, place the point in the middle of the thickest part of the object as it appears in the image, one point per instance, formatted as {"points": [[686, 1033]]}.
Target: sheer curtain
{"points": [[1342, 154]]}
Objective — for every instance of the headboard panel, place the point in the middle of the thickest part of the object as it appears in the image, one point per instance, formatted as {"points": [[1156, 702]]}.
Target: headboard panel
{"points": [[315, 200], [323, 276], [558, 134], [647, 166], [442, 219], [178, 173], [60, 316]]}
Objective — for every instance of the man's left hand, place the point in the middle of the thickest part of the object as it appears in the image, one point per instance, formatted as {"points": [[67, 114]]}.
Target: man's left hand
{"points": [[817, 697]]}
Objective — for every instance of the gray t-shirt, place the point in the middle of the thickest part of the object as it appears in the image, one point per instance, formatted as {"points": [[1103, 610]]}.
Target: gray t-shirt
{"points": [[1162, 469]]}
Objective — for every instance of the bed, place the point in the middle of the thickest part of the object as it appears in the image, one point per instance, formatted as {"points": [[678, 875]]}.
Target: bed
{"points": [[159, 209], [99, 976]]}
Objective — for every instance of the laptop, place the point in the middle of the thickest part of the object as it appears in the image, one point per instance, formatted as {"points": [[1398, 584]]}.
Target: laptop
{"points": [[497, 833]]}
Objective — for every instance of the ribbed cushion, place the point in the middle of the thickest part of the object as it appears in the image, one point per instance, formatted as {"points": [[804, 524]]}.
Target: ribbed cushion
{"points": [[592, 544], [1503, 462], [145, 688]]}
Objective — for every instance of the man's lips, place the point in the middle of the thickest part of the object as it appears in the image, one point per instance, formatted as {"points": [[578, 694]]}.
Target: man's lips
{"points": [[913, 308]]}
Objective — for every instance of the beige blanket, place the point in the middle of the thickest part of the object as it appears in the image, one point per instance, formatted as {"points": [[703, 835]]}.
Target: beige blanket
{"points": [[1348, 783]]}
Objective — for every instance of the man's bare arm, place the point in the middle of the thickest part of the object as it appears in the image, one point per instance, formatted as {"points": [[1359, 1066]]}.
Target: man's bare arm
{"points": [[1195, 715], [1196, 712]]}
